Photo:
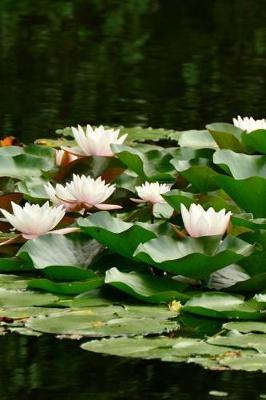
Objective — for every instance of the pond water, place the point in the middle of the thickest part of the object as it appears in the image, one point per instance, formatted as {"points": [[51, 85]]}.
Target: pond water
{"points": [[170, 64], [47, 369]]}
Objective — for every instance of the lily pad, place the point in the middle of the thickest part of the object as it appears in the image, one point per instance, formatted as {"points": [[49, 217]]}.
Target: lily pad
{"points": [[246, 327], [227, 136], [256, 341], [248, 193], [20, 298], [146, 287], [241, 166], [222, 305], [52, 250], [66, 288], [119, 236], [193, 257], [100, 322]]}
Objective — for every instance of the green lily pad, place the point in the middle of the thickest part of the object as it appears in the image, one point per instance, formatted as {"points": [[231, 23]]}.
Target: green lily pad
{"points": [[119, 236], [192, 257], [151, 165], [19, 298], [66, 288], [15, 265], [227, 136], [100, 322], [13, 282], [198, 172], [197, 139], [26, 312], [176, 197], [222, 305], [255, 140], [59, 250], [248, 193], [246, 327], [146, 287], [241, 166], [247, 363], [256, 341]]}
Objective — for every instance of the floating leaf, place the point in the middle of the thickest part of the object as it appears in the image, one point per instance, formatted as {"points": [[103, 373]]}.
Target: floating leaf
{"points": [[248, 193], [176, 197], [53, 250], [255, 341], [151, 165], [66, 288], [197, 139], [241, 166], [222, 305], [192, 257], [119, 236], [146, 287], [100, 322], [198, 172], [227, 136], [19, 298], [246, 362], [255, 140], [246, 327]]}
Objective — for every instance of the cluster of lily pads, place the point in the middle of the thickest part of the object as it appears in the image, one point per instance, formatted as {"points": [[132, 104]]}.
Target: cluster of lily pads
{"points": [[150, 239]]}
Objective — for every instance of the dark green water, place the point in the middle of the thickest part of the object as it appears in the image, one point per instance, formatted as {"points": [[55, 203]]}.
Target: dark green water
{"points": [[164, 63], [48, 369], [169, 63]]}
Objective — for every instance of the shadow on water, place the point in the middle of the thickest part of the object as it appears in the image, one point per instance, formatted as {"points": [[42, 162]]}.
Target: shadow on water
{"points": [[45, 368], [171, 64]]}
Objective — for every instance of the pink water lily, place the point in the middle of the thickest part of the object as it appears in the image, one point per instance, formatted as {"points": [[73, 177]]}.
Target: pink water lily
{"points": [[33, 220], [95, 142], [151, 193], [199, 222], [82, 192]]}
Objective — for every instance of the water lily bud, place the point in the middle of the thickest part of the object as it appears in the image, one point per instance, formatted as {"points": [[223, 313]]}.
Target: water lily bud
{"points": [[199, 222], [249, 124]]}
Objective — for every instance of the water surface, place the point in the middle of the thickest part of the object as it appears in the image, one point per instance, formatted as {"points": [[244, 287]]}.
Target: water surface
{"points": [[49, 369], [159, 63]]}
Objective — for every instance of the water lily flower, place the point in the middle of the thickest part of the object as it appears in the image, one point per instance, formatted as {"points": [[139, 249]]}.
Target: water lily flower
{"points": [[151, 192], [249, 124], [33, 220], [95, 142], [199, 222], [226, 277], [63, 158], [82, 192]]}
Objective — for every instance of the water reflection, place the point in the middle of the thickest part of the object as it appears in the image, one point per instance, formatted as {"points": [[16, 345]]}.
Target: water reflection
{"points": [[148, 62], [45, 369]]}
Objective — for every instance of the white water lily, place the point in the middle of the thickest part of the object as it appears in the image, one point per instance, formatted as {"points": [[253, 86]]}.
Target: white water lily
{"points": [[226, 277], [63, 158], [95, 142], [33, 220], [82, 192], [249, 124], [199, 222], [151, 192]]}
